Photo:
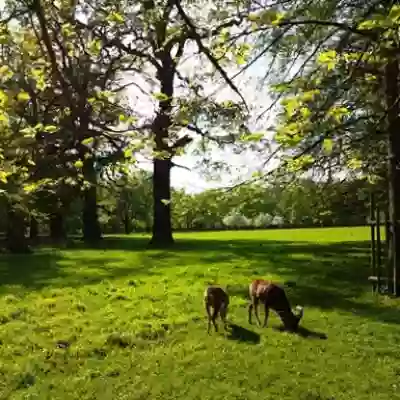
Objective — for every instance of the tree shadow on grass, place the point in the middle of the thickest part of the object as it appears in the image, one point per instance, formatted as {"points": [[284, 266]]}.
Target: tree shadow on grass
{"points": [[328, 276], [241, 334], [51, 268]]}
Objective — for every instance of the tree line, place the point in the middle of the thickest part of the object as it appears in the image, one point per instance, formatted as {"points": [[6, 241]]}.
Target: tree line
{"points": [[124, 207]]}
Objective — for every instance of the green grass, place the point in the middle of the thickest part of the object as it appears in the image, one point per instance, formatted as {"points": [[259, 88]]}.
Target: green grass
{"points": [[127, 322]]}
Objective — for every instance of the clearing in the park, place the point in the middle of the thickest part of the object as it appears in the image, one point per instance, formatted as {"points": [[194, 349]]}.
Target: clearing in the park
{"points": [[128, 322]]}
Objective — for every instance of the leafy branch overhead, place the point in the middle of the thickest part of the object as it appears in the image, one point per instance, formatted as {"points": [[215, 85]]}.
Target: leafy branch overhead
{"points": [[331, 110]]}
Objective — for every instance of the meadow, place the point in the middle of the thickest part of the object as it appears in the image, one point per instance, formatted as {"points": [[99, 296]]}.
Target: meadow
{"points": [[124, 321]]}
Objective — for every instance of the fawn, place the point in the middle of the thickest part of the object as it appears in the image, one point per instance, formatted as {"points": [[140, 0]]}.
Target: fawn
{"points": [[273, 296], [215, 297]]}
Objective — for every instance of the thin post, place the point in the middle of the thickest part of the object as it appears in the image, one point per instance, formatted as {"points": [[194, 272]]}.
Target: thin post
{"points": [[378, 248], [389, 269], [392, 74], [372, 226]]}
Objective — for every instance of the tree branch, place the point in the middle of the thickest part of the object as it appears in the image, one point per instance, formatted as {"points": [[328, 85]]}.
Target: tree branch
{"points": [[195, 36]]}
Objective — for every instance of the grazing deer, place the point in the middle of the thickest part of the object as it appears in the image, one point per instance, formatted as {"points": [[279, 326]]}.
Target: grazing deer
{"points": [[215, 297], [273, 296]]}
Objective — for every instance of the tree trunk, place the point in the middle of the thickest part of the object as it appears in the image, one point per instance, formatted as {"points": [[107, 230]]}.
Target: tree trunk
{"points": [[33, 229], [127, 223], [16, 239], [90, 220], [392, 76], [162, 227], [57, 230]]}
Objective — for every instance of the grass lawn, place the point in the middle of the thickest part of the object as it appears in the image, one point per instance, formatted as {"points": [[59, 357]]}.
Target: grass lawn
{"points": [[127, 322]]}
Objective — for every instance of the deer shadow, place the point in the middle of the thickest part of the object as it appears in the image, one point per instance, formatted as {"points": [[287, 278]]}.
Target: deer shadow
{"points": [[303, 332], [241, 334]]}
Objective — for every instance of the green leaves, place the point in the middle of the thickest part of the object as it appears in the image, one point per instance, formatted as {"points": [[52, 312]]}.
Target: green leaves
{"points": [[95, 47], [3, 176], [78, 164], [87, 141], [50, 129], [328, 59], [301, 163], [116, 18], [253, 137], [394, 13], [267, 17], [338, 112], [6, 73], [23, 96], [328, 145], [160, 96]]}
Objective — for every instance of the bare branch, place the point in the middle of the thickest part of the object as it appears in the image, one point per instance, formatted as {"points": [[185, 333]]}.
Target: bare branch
{"points": [[180, 166]]}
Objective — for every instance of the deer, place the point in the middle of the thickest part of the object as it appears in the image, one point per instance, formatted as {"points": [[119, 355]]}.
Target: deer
{"points": [[216, 298], [273, 296]]}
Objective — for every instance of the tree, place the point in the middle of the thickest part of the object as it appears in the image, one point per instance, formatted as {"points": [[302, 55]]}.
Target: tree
{"points": [[343, 100], [164, 32], [127, 201]]}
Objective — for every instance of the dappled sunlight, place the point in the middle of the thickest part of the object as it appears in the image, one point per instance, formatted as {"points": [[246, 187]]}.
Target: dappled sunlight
{"points": [[125, 310]]}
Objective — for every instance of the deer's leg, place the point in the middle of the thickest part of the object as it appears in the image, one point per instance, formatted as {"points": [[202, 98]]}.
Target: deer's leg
{"points": [[266, 315], [207, 305], [214, 317], [251, 306], [256, 303], [223, 312]]}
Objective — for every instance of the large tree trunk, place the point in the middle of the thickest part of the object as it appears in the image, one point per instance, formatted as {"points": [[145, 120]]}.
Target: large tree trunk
{"points": [[16, 239], [162, 227], [33, 229], [57, 229], [90, 220], [127, 222], [392, 76]]}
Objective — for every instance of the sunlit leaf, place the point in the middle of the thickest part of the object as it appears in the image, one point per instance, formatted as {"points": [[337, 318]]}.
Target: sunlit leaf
{"points": [[28, 188], [354, 163], [115, 17], [5, 72], [128, 153], [50, 128], [328, 58], [23, 96], [87, 141], [29, 131], [4, 120], [78, 164], [95, 47], [3, 176], [328, 145], [253, 137], [394, 13], [160, 96]]}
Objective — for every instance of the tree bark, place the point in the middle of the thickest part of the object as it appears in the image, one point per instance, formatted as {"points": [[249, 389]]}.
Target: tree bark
{"points": [[16, 239], [127, 223], [392, 76], [90, 220], [33, 229], [162, 227], [57, 229]]}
